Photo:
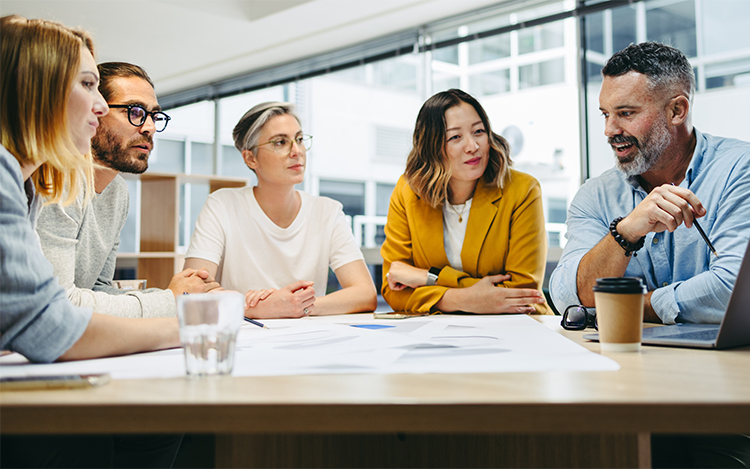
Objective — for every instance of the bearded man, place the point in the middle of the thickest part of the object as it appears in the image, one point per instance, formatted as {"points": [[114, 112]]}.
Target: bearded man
{"points": [[637, 220], [81, 239]]}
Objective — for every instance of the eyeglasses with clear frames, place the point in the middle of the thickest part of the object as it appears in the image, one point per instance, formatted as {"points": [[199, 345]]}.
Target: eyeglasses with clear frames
{"points": [[578, 318], [283, 145], [137, 116]]}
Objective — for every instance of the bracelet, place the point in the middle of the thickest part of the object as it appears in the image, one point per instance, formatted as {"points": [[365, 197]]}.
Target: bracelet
{"points": [[630, 248]]}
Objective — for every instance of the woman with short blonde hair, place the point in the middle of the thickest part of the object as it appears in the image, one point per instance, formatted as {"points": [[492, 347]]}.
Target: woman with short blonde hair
{"points": [[273, 242], [465, 232]]}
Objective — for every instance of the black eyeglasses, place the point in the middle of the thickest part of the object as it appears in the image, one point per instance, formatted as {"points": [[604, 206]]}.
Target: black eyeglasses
{"points": [[137, 116], [578, 318]]}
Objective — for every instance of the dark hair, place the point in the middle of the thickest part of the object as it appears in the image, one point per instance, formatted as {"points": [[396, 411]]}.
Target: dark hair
{"points": [[427, 168], [110, 70], [666, 67]]}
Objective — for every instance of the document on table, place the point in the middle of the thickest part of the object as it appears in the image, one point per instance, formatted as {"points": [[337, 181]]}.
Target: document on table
{"points": [[358, 344]]}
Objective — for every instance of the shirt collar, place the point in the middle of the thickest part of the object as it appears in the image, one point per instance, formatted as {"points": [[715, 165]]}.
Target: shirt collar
{"points": [[696, 163]]}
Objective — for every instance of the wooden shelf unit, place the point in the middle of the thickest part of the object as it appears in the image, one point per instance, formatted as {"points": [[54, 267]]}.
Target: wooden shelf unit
{"points": [[158, 258]]}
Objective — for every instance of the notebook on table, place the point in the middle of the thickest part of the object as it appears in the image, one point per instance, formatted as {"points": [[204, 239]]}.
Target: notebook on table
{"points": [[734, 330]]}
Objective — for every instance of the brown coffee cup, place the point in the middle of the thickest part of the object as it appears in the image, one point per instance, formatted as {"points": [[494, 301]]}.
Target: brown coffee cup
{"points": [[619, 313]]}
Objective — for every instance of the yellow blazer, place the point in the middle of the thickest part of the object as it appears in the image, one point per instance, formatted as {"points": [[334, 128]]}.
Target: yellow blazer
{"points": [[505, 234]]}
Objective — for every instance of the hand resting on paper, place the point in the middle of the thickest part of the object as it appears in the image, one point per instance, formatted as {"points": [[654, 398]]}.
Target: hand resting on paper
{"points": [[288, 302], [485, 297]]}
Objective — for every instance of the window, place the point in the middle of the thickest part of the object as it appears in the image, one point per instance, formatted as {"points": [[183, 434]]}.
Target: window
{"points": [[673, 24], [350, 194], [701, 29], [542, 37], [543, 73]]}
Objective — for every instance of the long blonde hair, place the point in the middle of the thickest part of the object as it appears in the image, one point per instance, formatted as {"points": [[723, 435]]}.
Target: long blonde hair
{"points": [[39, 61], [427, 169]]}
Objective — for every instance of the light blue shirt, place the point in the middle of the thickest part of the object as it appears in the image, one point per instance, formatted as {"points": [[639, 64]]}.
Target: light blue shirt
{"points": [[36, 318], [689, 283]]}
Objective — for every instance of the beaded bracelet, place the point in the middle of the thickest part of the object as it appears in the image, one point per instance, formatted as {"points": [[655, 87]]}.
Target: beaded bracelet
{"points": [[630, 248]]}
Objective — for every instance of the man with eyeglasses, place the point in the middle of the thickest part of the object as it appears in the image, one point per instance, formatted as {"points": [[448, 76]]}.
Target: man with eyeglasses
{"points": [[81, 239]]}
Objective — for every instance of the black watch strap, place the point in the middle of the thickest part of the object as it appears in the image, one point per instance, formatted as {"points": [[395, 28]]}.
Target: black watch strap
{"points": [[432, 275]]}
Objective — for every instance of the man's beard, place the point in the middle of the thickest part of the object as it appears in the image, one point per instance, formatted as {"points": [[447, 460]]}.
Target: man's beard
{"points": [[120, 157], [647, 152]]}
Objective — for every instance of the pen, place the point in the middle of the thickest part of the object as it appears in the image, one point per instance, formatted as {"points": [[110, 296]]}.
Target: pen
{"points": [[257, 323], [705, 238], [703, 235]]}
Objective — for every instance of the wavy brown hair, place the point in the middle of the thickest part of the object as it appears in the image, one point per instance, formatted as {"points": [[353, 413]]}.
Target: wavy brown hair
{"points": [[39, 62], [427, 167]]}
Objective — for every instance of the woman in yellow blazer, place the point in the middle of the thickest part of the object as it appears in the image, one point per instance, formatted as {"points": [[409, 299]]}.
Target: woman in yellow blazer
{"points": [[464, 231]]}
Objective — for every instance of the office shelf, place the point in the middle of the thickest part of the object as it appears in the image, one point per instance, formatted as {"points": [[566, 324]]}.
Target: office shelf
{"points": [[158, 258]]}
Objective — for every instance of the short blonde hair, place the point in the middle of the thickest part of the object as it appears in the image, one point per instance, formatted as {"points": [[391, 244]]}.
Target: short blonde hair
{"points": [[39, 61], [247, 131], [427, 168]]}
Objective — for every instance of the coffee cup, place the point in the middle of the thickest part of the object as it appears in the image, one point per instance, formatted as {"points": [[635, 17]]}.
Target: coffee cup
{"points": [[619, 313]]}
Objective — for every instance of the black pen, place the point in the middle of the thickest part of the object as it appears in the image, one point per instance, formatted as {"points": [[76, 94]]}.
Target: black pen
{"points": [[257, 323], [705, 238], [703, 235]]}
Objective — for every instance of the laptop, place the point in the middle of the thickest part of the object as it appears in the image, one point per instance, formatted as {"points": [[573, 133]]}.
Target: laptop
{"points": [[734, 330]]}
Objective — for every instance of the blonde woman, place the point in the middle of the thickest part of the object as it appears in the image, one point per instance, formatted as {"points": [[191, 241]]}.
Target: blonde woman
{"points": [[49, 110], [273, 242], [465, 232]]}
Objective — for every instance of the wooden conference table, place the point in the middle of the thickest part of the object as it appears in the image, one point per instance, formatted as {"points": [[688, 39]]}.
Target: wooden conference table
{"points": [[553, 419]]}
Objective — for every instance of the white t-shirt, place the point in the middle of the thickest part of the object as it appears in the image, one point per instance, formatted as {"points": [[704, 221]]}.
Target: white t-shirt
{"points": [[454, 232], [254, 253]]}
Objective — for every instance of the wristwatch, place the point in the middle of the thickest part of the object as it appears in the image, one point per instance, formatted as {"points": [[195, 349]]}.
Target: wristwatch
{"points": [[432, 275]]}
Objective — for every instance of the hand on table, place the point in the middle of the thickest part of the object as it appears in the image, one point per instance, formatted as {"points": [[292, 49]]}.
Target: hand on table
{"points": [[485, 297], [293, 301]]}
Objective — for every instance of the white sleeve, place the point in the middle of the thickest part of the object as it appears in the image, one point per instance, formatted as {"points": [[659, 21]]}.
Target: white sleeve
{"points": [[209, 238]]}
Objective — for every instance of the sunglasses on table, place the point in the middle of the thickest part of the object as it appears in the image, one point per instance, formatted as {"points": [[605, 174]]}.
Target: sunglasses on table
{"points": [[578, 318]]}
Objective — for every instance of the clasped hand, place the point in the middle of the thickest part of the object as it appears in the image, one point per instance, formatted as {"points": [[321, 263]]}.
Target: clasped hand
{"points": [[192, 281], [665, 208], [293, 301]]}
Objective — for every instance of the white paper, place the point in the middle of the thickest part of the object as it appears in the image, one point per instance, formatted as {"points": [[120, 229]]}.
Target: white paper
{"points": [[349, 345]]}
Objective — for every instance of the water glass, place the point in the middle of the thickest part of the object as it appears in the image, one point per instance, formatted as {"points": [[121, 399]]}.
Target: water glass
{"points": [[208, 330]]}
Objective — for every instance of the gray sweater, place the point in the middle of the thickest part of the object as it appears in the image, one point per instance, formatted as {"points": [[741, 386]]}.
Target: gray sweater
{"points": [[81, 241]]}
